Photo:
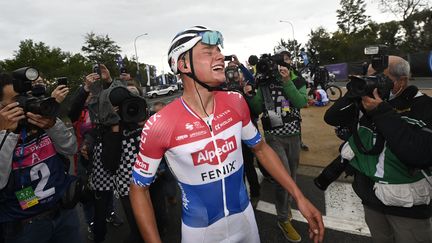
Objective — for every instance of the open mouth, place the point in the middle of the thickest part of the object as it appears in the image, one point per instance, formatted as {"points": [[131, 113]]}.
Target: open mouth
{"points": [[218, 68]]}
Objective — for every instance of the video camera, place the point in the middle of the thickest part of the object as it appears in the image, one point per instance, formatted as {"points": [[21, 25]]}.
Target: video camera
{"points": [[132, 108], [364, 85], [22, 84], [267, 67]]}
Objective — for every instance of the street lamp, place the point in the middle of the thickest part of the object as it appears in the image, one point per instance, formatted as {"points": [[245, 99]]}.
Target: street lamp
{"points": [[295, 46], [136, 55]]}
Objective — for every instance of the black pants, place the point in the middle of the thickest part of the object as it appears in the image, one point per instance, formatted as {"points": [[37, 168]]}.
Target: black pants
{"points": [[134, 235], [250, 172], [101, 201], [157, 195]]}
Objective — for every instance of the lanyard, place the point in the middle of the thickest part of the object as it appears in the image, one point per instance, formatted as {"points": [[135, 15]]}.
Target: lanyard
{"points": [[21, 155]]}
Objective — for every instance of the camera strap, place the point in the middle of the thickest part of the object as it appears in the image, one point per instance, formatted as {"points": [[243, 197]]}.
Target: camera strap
{"points": [[268, 101]]}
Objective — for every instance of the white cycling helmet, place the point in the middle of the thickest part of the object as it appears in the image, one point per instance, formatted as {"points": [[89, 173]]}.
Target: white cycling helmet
{"points": [[187, 39]]}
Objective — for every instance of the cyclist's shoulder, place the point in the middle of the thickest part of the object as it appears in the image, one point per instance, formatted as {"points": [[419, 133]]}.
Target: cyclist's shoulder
{"points": [[166, 118]]}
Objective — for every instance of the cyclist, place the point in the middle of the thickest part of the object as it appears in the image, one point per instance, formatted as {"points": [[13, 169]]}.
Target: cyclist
{"points": [[200, 135]]}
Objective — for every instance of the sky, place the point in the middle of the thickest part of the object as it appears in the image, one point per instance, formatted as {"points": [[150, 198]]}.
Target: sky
{"points": [[248, 27]]}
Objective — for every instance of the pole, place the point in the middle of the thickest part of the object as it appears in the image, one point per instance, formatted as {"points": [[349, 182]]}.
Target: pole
{"points": [[295, 46], [136, 56]]}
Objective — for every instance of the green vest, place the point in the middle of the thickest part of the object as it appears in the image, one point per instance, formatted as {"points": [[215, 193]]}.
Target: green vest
{"points": [[384, 167]]}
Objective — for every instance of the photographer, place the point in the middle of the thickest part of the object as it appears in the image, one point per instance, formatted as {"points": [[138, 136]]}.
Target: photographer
{"points": [[34, 185], [394, 191], [281, 124], [116, 139]]}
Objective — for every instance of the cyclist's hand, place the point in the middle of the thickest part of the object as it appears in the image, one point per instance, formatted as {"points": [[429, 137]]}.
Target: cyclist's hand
{"points": [[314, 219]]}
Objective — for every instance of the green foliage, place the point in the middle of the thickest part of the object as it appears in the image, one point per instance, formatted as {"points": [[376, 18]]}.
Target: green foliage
{"points": [[351, 16], [101, 49]]}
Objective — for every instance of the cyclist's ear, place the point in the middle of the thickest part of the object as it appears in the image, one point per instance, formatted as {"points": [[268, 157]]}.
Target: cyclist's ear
{"points": [[182, 64]]}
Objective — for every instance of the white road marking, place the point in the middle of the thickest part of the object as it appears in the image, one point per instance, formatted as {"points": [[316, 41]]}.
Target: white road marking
{"points": [[344, 211]]}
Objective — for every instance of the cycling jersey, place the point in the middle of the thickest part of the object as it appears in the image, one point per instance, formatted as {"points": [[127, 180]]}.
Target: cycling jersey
{"points": [[206, 159]]}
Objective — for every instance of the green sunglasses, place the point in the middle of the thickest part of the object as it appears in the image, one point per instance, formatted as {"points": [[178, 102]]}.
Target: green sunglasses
{"points": [[212, 38]]}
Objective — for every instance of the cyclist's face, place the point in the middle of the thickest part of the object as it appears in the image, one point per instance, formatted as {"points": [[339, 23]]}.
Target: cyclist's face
{"points": [[209, 64]]}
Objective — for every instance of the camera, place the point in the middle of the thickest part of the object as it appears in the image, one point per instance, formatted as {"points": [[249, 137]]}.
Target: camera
{"points": [[22, 84], [267, 67], [364, 85], [132, 108], [96, 69], [62, 81]]}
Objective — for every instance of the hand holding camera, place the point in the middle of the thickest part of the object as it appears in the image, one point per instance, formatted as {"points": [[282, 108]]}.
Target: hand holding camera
{"points": [[60, 92], [371, 103], [40, 121], [285, 73], [10, 115]]}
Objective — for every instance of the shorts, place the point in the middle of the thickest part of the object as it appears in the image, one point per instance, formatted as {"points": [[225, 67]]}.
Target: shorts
{"points": [[240, 227]]}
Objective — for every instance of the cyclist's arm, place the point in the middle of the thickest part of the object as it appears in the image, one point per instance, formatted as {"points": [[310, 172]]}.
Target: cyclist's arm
{"points": [[152, 147], [144, 214]]}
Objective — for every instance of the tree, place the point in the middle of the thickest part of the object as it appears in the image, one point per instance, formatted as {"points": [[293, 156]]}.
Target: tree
{"points": [[101, 49], [403, 9], [351, 16], [291, 45], [408, 12]]}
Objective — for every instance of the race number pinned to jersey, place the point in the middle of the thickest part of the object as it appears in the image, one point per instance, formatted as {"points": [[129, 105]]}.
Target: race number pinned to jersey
{"points": [[285, 105], [26, 197]]}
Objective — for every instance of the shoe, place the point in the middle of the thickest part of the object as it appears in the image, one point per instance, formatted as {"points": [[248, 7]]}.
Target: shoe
{"points": [[114, 220], [289, 232]]}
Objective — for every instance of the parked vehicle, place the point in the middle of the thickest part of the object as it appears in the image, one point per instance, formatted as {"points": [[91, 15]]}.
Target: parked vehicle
{"points": [[162, 90]]}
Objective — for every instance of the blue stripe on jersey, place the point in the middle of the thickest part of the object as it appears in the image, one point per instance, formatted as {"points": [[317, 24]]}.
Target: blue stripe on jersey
{"points": [[203, 204], [253, 141], [236, 194], [141, 180]]}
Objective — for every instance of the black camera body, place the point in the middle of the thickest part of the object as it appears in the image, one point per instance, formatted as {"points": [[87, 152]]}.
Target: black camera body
{"points": [[364, 85], [22, 84], [267, 67], [132, 108]]}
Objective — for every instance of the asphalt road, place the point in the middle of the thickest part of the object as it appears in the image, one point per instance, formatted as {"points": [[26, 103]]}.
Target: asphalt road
{"points": [[341, 219]]}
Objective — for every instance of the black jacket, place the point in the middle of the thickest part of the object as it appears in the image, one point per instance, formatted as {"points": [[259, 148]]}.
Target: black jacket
{"points": [[411, 143]]}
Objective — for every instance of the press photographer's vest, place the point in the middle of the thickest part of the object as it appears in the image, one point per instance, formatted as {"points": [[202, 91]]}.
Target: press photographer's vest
{"points": [[384, 167], [283, 106], [41, 168]]}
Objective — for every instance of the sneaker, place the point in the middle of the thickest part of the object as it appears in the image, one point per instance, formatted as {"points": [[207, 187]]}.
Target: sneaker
{"points": [[114, 220], [289, 232]]}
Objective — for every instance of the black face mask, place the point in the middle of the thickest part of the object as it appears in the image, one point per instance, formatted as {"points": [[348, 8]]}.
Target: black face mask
{"points": [[38, 90]]}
